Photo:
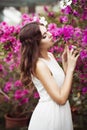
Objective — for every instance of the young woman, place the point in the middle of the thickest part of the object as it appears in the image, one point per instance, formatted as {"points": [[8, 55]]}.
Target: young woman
{"points": [[52, 83]]}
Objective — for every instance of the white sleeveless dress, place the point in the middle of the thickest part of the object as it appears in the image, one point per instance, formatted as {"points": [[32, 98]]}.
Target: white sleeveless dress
{"points": [[48, 115]]}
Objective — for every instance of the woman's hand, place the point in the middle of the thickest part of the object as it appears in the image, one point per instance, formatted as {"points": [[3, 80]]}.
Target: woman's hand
{"points": [[69, 58], [72, 56]]}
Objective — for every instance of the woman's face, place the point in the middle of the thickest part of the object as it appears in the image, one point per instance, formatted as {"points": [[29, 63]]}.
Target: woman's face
{"points": [[47, 38]]}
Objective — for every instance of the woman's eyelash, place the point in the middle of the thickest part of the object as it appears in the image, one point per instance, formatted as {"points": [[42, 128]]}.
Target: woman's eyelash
{"points": [[44, 36]]}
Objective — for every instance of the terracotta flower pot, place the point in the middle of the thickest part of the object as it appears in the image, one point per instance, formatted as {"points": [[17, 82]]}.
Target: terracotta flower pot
{"points": [[11, 122]]}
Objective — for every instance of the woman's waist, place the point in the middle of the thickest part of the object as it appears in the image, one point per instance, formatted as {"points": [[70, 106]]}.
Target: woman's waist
{"points": [[45, 99], [49, 99]]}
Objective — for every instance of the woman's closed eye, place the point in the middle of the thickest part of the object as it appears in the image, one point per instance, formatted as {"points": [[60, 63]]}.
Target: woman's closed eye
{"points": [[44, 36]]}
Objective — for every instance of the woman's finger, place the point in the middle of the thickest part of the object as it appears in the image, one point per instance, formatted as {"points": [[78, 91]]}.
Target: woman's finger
{"points": [[75, 53], [67, 49]]}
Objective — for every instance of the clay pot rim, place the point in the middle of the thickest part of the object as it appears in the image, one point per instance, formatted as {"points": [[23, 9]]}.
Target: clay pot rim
{"points": [[15, 118]]}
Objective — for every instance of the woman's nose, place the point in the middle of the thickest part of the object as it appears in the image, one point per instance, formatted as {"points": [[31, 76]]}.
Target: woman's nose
{"points": [[50, 34]]}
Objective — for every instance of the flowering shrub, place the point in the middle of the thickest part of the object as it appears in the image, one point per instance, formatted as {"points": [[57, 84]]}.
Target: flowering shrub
{"points": [[18, 101], [16, 96], [68, 27], [74, 36]]}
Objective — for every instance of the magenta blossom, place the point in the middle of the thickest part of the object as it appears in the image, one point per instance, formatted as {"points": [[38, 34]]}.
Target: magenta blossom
{"points": [[84, 90], [83, 54], [52, 26], [67, 10], [8, 87], [75, 13], [9, 57], [74, 1], [67, 32], [46, 8], [25, 91], [77, 32], [17, 83], [1, 67], [24, 101], [50, 14], [18, 94], [63, 19], [84, 15], [26, 17], [84, 38], [36, 95], [21, 93]]}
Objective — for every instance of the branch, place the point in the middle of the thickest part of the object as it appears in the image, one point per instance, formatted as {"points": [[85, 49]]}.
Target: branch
{"points": [[4, 94]]}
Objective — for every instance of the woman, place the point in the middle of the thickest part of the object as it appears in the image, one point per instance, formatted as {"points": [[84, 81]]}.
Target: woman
{"points": [[52, 83]]}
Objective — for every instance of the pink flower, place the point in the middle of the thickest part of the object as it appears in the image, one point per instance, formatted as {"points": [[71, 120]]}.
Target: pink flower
{"points": [[84, 90], [77, 32], [52, 26], [67, 32], [1, 67], [9, 57], [21, 93], [36, 95], [25, 16], [25, 91], [18, 94], [25, 100], [8, 87], [46, 8], [74, 1], [83, 54], [84, 38], [17, 83], [12, 66], [50, 14], [63, 19], [67, 10], [75, 13]]}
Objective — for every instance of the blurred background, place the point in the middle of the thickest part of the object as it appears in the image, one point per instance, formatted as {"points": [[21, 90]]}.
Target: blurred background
{"points": [[11, 10]]}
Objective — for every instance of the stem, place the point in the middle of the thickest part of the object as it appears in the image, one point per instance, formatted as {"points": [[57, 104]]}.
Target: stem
{"points": [[4, 94]]}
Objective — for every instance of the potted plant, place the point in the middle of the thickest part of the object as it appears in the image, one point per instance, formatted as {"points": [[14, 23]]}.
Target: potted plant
{"points": [[19, 103]]}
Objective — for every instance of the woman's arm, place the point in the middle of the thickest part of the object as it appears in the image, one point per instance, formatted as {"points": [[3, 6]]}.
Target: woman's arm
{"points": [[58, 94]]}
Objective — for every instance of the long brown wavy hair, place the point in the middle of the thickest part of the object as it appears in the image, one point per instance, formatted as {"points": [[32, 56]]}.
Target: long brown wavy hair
{"points": [[30, 37]]}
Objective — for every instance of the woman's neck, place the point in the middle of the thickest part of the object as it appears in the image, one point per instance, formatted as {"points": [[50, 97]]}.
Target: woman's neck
{"points": [[44, 54]]}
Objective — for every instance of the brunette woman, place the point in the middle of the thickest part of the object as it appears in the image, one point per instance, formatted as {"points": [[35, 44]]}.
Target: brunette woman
{"points": [[52, 82]]}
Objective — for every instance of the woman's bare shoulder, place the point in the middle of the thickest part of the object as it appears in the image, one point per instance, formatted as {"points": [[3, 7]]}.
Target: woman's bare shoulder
{"points": [[40, 64], [41, 69]]}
